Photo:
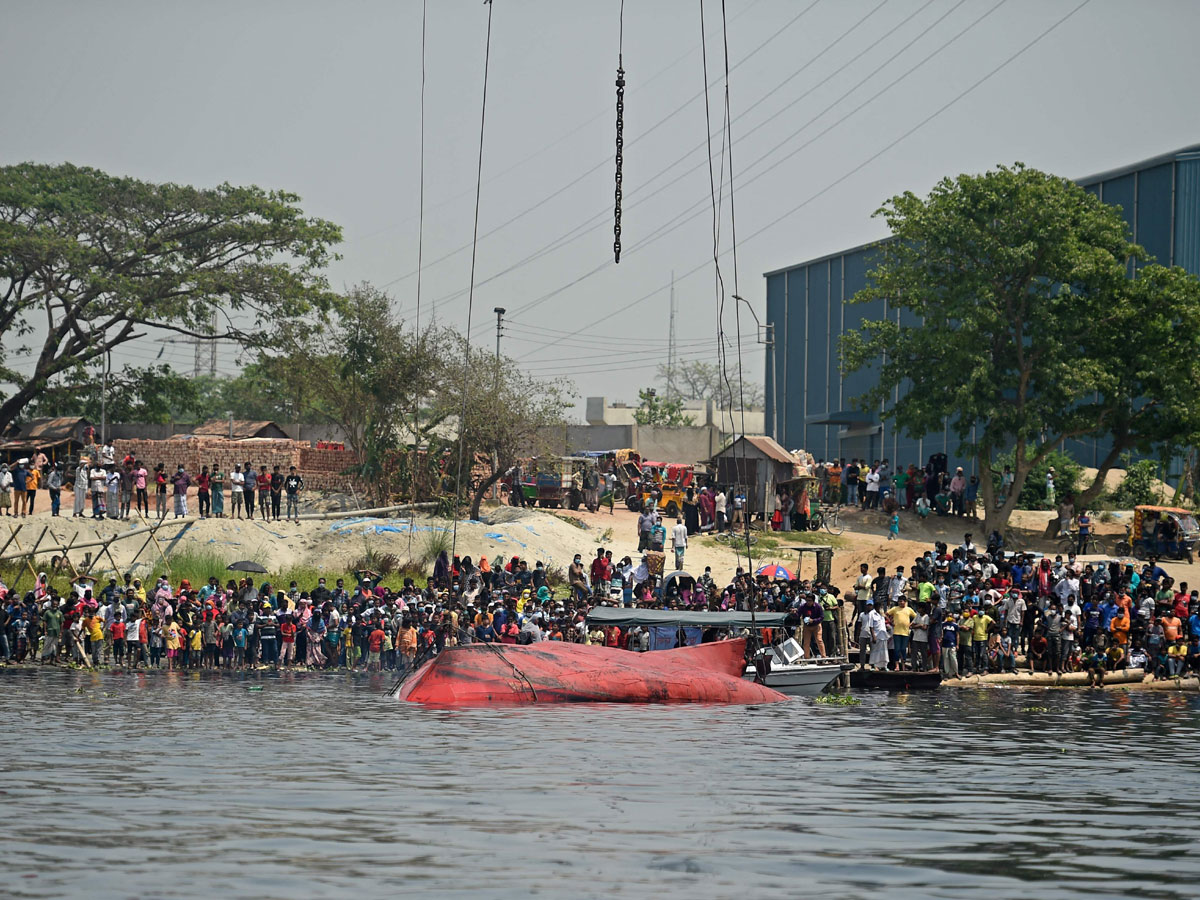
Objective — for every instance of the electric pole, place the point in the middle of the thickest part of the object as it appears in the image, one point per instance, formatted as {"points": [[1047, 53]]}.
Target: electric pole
{"points": [[671, 344], [499, 311]]}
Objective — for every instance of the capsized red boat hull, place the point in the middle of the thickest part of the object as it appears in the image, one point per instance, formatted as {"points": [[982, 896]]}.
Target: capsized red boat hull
{"points": [[557, 672]]}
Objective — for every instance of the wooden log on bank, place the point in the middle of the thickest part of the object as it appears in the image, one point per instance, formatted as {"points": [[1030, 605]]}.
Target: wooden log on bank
{"points": [[1046, 679]]}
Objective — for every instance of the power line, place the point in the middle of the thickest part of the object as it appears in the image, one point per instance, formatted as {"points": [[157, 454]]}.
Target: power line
{"points": [[545, 148], [600, 218], [697, 208], [603, 163], [487, 55], [856, 169]]}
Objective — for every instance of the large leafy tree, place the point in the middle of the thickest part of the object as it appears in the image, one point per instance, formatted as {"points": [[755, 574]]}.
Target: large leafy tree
{"points": [[90, 261], [135, 394], [508, 414], [1028, 329]]}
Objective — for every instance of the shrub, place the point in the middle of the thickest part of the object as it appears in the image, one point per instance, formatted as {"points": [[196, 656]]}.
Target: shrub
{"points": [[1138, 486], [1067, 473]]}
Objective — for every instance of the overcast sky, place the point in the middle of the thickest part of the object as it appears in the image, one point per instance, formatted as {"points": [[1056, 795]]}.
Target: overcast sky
{"points": [[831, 103]]}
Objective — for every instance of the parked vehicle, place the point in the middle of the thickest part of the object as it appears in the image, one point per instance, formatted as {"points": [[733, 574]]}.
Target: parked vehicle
{"points": [[663, 484], [1167, 532]]}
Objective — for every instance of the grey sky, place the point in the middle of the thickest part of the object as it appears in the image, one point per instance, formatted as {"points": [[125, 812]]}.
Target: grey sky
{"points": [[322, 99]]}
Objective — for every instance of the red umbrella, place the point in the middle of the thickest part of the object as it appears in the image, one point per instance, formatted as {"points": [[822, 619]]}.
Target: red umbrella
{"points": [[775, 572]]}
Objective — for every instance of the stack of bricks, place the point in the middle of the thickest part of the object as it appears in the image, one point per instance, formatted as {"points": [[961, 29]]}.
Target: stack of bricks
{"points": [[321, 469]]}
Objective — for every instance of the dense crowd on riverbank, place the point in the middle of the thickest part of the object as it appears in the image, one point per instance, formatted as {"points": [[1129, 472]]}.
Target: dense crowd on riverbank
{"points": [[965, 610], [972, 610]]}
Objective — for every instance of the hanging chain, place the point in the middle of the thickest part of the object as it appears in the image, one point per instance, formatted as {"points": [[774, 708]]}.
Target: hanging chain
{"points": [[620, 147], [620, 136]]}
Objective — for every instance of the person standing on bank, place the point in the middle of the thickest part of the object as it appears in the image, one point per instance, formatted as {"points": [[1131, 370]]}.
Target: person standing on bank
{"points": [[292, 486], [217, 486], [237, 488], [54, 483], [277, 480], [248, 490], [679, 538]]}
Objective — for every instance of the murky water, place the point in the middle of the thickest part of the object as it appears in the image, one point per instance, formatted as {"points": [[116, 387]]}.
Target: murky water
{"points": [[179, 785]]}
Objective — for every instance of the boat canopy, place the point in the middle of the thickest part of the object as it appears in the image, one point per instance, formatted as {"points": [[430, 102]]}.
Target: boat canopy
{"points": [[628, 616]]}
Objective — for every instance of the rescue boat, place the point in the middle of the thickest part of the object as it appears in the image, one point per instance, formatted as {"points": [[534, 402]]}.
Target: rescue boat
{"points": [[557, 672]]}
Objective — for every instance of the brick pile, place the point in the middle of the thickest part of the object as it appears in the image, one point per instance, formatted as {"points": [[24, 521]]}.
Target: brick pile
{"points": [[321, 469]]}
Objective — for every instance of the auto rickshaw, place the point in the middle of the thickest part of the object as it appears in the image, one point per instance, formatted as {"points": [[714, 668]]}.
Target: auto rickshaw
{"points": [[664, 485], [1166, 532]]}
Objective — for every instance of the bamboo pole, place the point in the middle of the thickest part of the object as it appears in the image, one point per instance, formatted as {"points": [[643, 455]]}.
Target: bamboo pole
{"points": [[28, 557]]}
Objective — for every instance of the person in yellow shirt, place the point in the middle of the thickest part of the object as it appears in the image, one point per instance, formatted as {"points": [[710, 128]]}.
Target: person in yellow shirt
{"points": [[172, 637], [902, 616], [93, 629], [195, 647], [981, 624]]}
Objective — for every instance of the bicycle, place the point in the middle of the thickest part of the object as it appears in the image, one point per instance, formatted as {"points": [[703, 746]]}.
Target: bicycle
{"points": [[1092, 545], [735, 537], [829, 519]]}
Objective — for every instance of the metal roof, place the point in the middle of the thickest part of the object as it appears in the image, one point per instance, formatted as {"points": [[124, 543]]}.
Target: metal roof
{"points": [[241, 429], [767, 446], [58, 430]]}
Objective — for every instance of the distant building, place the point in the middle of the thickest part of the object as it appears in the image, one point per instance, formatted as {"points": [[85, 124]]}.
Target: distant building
{"points": [[808, 399], [599, 411], [758, 464], [62, 437], [241, 429]]}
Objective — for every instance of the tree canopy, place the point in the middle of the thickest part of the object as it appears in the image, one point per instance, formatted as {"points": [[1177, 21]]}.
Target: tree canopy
{"points": [[90, 261], [1026, 329], [699, 380]]}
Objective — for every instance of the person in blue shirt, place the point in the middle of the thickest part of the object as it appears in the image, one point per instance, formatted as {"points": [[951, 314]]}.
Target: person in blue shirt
{"points": [[1108, 609], [1194, 624], [1091, 621]]}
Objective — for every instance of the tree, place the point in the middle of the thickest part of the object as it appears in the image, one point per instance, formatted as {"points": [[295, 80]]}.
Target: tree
{"points": [[507, 415], [1030, 331], [375, 379], [655, 410], [150, 394], [98, 260], [699, 380]]}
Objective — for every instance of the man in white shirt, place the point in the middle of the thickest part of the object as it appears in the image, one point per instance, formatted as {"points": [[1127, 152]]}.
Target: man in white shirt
{"points": [[679, 541], [721, 503], [108, 453], [898, 583]]}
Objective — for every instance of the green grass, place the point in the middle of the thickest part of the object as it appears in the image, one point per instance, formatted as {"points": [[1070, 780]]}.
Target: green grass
{"points": [[198, 565]]}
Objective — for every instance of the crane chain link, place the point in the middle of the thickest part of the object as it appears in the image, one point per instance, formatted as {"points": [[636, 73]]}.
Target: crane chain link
{"points": [[620, 148]]}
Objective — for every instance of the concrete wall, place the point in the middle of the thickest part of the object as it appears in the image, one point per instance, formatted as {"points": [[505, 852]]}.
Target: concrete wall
{"points": [[687, 445]]}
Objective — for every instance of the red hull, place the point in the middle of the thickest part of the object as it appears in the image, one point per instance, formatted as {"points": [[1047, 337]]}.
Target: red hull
{"points": [[556, 672]]}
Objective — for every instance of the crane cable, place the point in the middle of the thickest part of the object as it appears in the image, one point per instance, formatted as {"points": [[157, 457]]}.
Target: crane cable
{"points": [[462, 419], [412, 499], [620, 133]]}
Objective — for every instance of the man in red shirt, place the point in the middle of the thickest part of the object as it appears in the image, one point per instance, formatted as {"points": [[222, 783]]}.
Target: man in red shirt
{"points": [[601, 573], [287, 645], [374, 646]]}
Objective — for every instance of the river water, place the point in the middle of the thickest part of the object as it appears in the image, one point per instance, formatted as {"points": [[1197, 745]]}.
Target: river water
{"points": [[142, 786]]}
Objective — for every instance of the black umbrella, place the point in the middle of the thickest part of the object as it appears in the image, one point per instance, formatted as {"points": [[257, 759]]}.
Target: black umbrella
{"points": [[246, 565]]}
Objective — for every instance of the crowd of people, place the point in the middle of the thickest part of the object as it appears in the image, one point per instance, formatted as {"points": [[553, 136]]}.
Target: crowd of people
{"points": [[974, 610], [924, 490], [118, 489], [367, 626], [964, 610]]}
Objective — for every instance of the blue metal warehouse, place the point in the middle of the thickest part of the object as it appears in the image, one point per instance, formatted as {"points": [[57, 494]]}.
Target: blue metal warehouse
{"points": [[1159, 198]]}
